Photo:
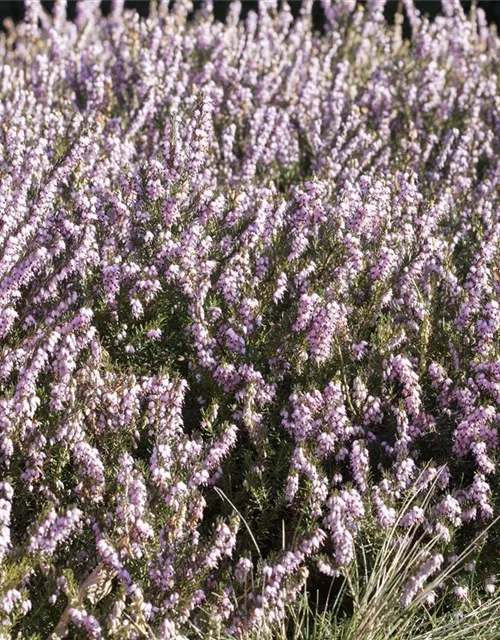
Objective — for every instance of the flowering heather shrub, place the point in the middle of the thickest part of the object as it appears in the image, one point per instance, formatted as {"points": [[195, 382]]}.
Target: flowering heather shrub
{"points": [[249, 283]]}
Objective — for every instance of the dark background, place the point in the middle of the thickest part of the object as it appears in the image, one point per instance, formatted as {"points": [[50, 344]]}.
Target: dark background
{"points": [[14, 9]]}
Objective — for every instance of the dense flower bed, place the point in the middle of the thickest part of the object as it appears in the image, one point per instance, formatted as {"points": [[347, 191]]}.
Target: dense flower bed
{"points": [[249, 282]]}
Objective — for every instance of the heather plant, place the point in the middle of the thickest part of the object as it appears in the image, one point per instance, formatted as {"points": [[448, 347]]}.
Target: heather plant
{"points": [[249, 322]]}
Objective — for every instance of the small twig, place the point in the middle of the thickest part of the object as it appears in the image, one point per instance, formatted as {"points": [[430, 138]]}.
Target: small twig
{"points": [[147, 633], [344, 380]]}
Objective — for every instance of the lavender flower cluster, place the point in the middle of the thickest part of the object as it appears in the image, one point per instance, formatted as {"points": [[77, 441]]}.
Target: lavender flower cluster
{"points": [[249, 283]]}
